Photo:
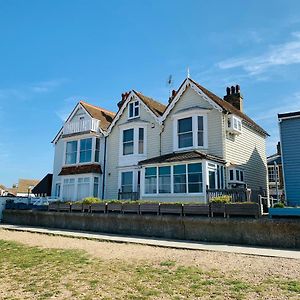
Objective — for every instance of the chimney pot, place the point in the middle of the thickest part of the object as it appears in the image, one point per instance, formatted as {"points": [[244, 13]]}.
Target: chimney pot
{"points": [[228, 91], [237, 88], [232, 90], [234, 97]]}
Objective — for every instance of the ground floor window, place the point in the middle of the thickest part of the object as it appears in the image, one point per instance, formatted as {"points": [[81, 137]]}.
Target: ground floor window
{"points": [[68, 189], [78, 188], [178, 179], [57, 190], [127, 182], [83, 188]]}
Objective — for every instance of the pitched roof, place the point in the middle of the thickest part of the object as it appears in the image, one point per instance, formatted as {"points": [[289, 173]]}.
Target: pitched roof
{"points": [[84, 169], [104, 116], [156, 107], [230, 108], [289, 115], [2, 187], [181, 156], [25, 184]]}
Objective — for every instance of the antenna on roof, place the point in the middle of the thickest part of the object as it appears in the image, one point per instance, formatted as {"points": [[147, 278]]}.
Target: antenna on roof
{"points": [[170, 84], [188, 72]]}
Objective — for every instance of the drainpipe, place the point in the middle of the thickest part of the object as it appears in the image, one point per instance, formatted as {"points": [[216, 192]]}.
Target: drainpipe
{"points": [[104, 168], [162, 127]]}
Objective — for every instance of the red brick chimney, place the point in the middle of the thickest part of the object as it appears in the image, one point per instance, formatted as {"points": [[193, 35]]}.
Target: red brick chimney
{"points": [[124, 97], [234, 97]]}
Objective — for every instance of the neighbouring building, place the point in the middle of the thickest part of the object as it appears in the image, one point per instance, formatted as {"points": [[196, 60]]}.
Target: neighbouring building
{"points": [[275, 173], [289, 129], [172, 152], [2, 190], [22, 189], [43, 188]]}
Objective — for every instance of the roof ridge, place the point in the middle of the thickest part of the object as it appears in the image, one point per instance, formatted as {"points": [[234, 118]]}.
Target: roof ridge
{"points": [[97, 107], [137, 92]]}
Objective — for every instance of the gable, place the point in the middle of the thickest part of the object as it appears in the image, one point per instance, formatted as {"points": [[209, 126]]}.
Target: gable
{"points": [[79, 114]]}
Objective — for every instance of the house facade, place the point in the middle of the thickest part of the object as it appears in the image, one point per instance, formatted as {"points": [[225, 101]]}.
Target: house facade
{"points": [[79, 153], [289, 128], [175, 152], [275, 174]]}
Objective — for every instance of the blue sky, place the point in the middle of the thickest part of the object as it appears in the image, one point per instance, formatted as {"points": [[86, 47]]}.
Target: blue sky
{"points": [[54, 53]]}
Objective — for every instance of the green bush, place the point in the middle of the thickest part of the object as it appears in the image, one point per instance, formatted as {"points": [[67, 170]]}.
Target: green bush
{"points": [[221, 199], [90, 200], [279, 205]]}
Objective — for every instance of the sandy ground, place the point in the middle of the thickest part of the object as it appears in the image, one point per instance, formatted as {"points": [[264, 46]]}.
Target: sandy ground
{"points": [[255, 267]]}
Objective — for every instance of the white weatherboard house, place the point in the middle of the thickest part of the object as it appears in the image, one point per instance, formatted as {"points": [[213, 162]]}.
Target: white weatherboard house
{"points": [[166, 153]]}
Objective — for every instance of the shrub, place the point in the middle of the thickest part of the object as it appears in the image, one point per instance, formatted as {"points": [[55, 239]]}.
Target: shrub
{"points": [[221, 199], [279, 205], [90, 200]]}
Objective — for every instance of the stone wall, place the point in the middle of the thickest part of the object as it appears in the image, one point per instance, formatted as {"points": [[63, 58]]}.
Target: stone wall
{"points": [[281, 233]]}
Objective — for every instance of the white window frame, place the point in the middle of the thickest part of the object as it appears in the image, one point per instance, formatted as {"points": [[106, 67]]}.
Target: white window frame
{"points": [[235, 169], [234, 124], [136, 156], [194, 115], [135, 104], [78, 150], [134, 179], [186, 163]]}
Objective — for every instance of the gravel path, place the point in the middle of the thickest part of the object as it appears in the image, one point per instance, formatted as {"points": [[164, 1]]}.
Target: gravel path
{"points": [[251, 268]]}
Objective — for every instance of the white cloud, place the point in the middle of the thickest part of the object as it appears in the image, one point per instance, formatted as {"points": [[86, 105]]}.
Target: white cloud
{"points": [[282, 54], [25, 92]]}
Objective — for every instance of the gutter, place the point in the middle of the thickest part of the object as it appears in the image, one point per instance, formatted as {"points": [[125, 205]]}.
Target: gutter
{"points": [[104, 168]]}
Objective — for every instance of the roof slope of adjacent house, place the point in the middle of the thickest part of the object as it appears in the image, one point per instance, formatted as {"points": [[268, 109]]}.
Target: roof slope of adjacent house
{"points": [[104, 116], [226, 106], [156, 107], [25, 184]]}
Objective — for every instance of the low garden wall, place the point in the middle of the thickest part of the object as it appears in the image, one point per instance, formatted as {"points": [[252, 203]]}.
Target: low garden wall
{"points": [[282, 233]]}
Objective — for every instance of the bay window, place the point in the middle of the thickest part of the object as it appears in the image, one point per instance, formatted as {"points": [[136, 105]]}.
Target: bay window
{"points": [[85, 150], [141, 141], [133, 141], [236, 175], [68, 189], [97, 150], [83, 188], [190, 131], [177, 179], [96, 187], [71, 152]]}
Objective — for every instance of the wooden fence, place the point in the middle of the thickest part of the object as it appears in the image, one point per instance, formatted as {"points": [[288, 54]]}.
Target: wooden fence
{"points": [[237, 195]]}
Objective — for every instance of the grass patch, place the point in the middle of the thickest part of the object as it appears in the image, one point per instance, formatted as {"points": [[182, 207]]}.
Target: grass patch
{"points": [[35, 273]]}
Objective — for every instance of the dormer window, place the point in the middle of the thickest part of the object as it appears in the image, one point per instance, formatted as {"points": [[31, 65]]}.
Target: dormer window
{"points": [[234, 124], [134, 110]]}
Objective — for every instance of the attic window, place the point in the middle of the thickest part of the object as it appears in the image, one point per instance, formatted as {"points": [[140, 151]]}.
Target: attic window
{"points": [[134, 110], [234, 124]]}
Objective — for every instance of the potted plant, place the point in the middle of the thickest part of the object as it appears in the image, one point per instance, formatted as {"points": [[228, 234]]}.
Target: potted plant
{"points": [[243, 209], [280, 210], [131, 207], [217, 205], [196, 209]]}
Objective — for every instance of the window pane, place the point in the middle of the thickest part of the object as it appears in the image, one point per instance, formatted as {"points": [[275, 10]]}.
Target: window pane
{"points": [[141, 140], [200, 123], [185, 125], [237, 175], [150, 180], [126, 183], [85, 150], [130, 110], [242, 176], [185, 140], [179, 169], [71, 152], [128, 135], [231, 174], [128, 148], [97, 150], [195, 184], [164, 183]]}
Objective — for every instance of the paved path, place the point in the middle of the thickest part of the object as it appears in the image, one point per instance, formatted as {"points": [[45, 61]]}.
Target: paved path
{"points": [[179, 244]]}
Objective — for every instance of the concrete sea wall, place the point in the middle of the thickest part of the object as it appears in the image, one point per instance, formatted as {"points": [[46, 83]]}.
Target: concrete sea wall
{"points": [[280, 233]]}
